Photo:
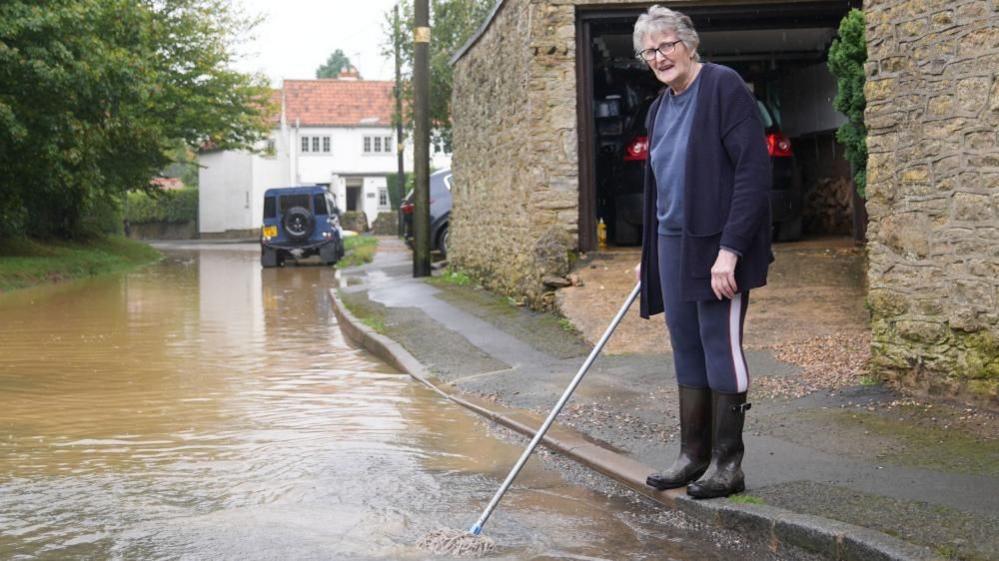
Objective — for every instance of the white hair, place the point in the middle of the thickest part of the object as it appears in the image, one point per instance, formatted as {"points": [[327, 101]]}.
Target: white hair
{"points": [[664, 20]]}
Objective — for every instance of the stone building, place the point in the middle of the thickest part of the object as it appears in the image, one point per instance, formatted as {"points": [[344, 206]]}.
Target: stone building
{"points": [[545, 96], [933, 192]]}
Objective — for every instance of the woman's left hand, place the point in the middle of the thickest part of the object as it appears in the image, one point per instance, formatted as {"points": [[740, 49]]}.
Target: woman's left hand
{"points": [[723, 274]]}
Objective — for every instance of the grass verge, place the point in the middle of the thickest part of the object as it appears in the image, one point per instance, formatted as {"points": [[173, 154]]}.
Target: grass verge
{"points": [[27, 262], [544, 331], [359, 250], [370, 314], [451, 277], [747, 500]]}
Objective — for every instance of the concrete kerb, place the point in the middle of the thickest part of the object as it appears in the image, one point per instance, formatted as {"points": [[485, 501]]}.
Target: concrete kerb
{"points": [[831, 539]]}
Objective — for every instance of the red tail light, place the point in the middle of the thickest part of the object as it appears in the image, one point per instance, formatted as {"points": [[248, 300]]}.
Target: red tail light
{"points": [[407, 208], [637, 150], [778, 145]]}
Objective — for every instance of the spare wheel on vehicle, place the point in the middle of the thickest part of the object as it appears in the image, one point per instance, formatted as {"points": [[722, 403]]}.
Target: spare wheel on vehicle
{"points": [[298, 223]]}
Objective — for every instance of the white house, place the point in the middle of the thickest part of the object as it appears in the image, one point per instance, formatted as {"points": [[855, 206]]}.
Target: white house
{"points": [[332, 132]]}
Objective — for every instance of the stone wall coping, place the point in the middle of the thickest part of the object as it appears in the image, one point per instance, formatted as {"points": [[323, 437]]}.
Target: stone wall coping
{"points": [[478, 33]]}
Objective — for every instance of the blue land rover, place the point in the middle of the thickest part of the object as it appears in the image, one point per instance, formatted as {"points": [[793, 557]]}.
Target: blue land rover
{"points": [[300, 222]]}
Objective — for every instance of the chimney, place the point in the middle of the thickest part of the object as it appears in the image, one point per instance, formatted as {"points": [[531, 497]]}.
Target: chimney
{"points": [[349, 73]]}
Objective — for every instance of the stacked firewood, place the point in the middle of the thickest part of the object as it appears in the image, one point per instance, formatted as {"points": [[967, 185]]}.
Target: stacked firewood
{"points": [[828, 207]]}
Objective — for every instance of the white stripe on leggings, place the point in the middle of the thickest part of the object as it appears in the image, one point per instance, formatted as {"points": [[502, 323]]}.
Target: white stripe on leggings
{"points": [[735, 342]]}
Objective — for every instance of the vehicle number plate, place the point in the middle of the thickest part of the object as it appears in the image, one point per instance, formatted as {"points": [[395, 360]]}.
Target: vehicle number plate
{"points": [[270, 231]]}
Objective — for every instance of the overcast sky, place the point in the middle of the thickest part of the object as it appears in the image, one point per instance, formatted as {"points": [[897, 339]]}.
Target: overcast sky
{"points": [[297, 36]]}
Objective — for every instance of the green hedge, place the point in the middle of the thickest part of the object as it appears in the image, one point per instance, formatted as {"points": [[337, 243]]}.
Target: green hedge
{"points": [[847, 56], [100, 217], [163, 206], [395, 197]]}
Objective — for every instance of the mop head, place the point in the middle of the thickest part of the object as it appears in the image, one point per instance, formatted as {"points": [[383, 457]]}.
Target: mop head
{"points": [[461, 543]]}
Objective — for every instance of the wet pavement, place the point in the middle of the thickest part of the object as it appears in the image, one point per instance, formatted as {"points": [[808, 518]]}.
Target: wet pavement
{"points": [[848, 451], [203, 408]]}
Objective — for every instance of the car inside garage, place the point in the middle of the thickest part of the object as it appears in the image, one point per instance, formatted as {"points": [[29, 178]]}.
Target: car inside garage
{"points": [[780, 49]]}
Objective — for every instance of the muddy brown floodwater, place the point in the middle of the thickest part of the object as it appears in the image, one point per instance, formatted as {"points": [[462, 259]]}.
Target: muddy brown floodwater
{"points": [[203, 408]]}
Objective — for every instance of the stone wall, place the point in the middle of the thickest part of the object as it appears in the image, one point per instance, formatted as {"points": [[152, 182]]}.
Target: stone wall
{"points": [[386, 224], [516, 181], [933, 193], [354, 220], [251, 234], [164, 230]]}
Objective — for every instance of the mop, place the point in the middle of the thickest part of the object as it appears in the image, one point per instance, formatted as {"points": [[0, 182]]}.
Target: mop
{"points": [[471, 543]]}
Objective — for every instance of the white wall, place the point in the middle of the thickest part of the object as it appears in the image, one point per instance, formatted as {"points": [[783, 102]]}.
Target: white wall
{"points": [[338, 186], [225, 182], [369, 194], [346, 156], [268, 172], [232, 186]]}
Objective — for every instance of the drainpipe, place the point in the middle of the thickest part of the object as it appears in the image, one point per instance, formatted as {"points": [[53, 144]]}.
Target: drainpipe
{"points": [[295, 146]]}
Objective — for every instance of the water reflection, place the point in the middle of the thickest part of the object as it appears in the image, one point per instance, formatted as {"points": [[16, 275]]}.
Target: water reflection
{"points": [[204, 408]]}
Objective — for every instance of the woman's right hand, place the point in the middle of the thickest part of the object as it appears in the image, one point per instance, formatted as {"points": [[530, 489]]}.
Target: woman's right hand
{"points": [[638, 272]]}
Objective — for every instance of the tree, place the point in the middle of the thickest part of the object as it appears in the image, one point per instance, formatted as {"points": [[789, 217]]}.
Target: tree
{"points": [[183, 166], [847, 56], [96, 94], [336, 63], [452, 22]]}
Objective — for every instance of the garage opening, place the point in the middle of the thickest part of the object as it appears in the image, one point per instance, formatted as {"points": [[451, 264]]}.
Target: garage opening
{"points": [[780, 50]]}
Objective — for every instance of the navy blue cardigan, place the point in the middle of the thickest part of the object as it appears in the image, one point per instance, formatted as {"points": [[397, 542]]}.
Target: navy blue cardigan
{"points": [[726, 192]]}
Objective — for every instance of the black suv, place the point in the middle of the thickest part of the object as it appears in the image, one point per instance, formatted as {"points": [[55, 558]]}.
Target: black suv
{"points": [[300, 222]]}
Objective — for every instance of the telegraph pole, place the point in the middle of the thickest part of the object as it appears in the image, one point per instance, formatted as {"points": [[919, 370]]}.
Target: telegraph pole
{"points": [[401, 173], [421, 138]]}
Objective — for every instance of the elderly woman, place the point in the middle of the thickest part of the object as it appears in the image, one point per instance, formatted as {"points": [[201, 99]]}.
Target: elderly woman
{"points": [[705, 243]]}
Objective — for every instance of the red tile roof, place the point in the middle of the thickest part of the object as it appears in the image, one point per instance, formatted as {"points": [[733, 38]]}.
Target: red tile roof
{"points": [[167, 183], [338, 102]]}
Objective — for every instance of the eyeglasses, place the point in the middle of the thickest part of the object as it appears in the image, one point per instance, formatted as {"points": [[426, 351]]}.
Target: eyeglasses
{"points": [[664, 49]]}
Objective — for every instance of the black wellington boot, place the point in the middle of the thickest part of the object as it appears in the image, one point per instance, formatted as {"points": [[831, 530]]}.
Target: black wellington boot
{"points": [[695, 441], [724, 476]]}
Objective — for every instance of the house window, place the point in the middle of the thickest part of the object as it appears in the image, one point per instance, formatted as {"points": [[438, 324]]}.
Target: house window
{"points": [[383, 197], [377, 144], [311, 144]]}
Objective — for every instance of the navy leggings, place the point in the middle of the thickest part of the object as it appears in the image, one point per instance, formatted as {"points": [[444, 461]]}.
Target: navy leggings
{"points": [[706, 335]]}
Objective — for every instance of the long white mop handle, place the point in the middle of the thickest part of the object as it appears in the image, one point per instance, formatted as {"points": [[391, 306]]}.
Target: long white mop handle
{"points": [[477, 528]]}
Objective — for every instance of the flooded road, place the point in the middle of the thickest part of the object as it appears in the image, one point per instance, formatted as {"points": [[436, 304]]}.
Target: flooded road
{"points": [[203, 408]]}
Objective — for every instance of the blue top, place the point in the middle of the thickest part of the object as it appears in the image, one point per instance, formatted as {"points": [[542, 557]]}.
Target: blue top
{"points": [[726, 192], [670, 139]]}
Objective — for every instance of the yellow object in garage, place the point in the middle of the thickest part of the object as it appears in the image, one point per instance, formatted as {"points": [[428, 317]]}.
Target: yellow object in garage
{"points": [[601, 234]]}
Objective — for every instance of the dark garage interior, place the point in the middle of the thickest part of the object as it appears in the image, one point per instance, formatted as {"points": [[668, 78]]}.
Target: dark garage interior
{"points": [[780, 50]]}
